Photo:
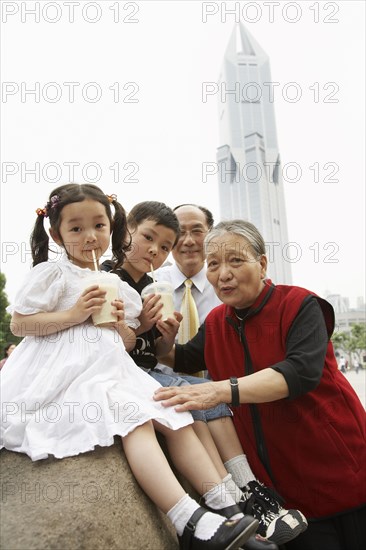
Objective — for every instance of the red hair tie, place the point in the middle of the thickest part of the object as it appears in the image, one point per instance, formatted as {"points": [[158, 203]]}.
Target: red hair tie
{"points": [[111, 198], [42, 212]]}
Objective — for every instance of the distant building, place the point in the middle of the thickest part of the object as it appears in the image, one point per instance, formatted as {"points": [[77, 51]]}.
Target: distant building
{"points": [[344, 321], [249, 165], [346, 316], [360, 302], [340, 304]]}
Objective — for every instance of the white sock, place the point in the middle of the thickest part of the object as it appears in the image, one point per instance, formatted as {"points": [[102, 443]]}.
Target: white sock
{"points": [[232, 488], [239, 468], [219, 497], [183, 510]]}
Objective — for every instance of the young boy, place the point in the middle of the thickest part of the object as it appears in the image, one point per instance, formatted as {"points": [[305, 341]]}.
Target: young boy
{"points": [[154, 232]]}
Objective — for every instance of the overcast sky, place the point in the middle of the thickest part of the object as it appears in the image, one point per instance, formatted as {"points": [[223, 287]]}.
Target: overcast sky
{"points": [[117, 100]]}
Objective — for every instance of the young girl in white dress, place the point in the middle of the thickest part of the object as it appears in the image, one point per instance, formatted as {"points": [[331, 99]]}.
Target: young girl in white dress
{"points": [[71, 385]]}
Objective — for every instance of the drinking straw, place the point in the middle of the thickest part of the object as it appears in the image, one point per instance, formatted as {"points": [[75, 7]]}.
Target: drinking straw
{"points": [[153, 276], [95, 261]]}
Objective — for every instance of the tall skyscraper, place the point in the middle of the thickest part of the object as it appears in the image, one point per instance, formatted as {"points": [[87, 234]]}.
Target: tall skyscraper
{"points": [[250, 182]]}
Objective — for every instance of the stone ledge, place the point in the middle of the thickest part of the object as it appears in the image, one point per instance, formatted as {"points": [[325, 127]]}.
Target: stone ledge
{"points": [[87, 502]]}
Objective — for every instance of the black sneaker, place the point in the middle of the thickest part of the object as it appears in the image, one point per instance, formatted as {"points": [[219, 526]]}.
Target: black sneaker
{"points": [[276, 523]]}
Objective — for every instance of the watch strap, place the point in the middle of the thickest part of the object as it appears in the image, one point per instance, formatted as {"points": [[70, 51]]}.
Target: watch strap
{"points": [[234, 384]]}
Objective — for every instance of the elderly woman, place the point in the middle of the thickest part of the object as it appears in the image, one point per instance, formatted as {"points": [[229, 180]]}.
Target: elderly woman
{"points": [[268, 352]]}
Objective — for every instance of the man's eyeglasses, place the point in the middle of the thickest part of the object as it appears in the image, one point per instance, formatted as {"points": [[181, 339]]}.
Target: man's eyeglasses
{"points": [[194, 233]]}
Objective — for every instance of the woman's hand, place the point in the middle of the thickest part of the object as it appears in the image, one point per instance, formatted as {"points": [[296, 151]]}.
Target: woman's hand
{"points": [[150, 313], [260, 387], [195, 397]]}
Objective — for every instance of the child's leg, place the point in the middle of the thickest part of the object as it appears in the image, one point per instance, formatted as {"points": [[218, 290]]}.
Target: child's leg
{"points": [[192, 460], [230, 450], [204, 435], [253, 497], [146, 459], [153, 473], [222, 443], [200, 424], [225, 437], [190, 457]]}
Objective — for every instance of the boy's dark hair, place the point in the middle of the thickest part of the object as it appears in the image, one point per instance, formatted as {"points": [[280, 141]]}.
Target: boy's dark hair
{"points": [[68, 194], [157, 212], [206, 211]]}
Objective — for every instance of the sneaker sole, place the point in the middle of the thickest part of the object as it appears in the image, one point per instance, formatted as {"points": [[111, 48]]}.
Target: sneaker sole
{"points": [[300, 518], [284, 531], [296, 514], [243, 536]]}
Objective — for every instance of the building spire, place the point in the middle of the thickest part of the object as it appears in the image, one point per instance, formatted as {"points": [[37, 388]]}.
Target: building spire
{"points": [[249, 165], [242, 42]]}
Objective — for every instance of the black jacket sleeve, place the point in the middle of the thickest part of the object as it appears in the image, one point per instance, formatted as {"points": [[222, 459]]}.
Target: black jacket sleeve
{"points": [[190, 357], [306, 347]]}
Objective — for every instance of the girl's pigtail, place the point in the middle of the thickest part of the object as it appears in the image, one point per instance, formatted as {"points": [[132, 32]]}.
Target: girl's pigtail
{"points": [[121, 238], [39, 241]]}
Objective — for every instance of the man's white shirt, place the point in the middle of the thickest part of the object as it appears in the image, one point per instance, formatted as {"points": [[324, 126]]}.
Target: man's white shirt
{"points": [[202, 292]]}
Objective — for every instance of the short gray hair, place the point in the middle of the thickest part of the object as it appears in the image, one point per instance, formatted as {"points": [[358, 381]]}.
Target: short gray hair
{"points": [[241, 228]]}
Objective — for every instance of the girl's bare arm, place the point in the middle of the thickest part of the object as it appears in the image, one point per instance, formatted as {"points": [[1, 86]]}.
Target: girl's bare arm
{"points": [[45, 323]]}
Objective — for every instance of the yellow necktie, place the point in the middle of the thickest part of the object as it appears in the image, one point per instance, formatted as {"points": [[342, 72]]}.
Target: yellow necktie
{"points": [[190, 323]]}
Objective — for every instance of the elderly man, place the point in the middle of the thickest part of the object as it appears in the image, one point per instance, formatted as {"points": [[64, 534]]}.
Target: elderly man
{"points": [[195, 222]]}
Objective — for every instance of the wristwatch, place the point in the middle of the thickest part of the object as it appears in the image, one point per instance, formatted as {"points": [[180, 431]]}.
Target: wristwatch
{"points": [[235, 401]]}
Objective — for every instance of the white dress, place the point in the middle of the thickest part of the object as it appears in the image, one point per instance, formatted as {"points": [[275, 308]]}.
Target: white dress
{"points": [[65, 393]]}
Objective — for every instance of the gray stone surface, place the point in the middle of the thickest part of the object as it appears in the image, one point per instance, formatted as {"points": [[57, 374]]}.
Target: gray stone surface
{"points": [[90, 501]]}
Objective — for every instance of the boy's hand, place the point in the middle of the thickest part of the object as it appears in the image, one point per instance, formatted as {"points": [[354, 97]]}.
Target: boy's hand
{"points": [[150, 313], [168, 330]]}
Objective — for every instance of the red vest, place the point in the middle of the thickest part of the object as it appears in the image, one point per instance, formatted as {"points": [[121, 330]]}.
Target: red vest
{"points": [[316, 443]]}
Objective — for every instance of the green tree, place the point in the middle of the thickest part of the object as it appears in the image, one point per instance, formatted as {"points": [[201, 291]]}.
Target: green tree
{"points": [[340, 340], [5, 334], [357, 340], [353, 342]]}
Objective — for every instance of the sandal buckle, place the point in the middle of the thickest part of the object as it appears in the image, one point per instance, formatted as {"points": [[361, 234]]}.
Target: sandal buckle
{"points": [[191, 526]]}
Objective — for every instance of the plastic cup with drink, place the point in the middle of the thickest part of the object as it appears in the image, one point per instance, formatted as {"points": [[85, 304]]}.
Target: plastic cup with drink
{"points": [[109, 282], [165, 290]]}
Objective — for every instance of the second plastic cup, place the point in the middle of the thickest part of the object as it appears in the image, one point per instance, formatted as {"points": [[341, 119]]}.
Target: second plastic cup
{"points": [[108, 282], [165, 290]]}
